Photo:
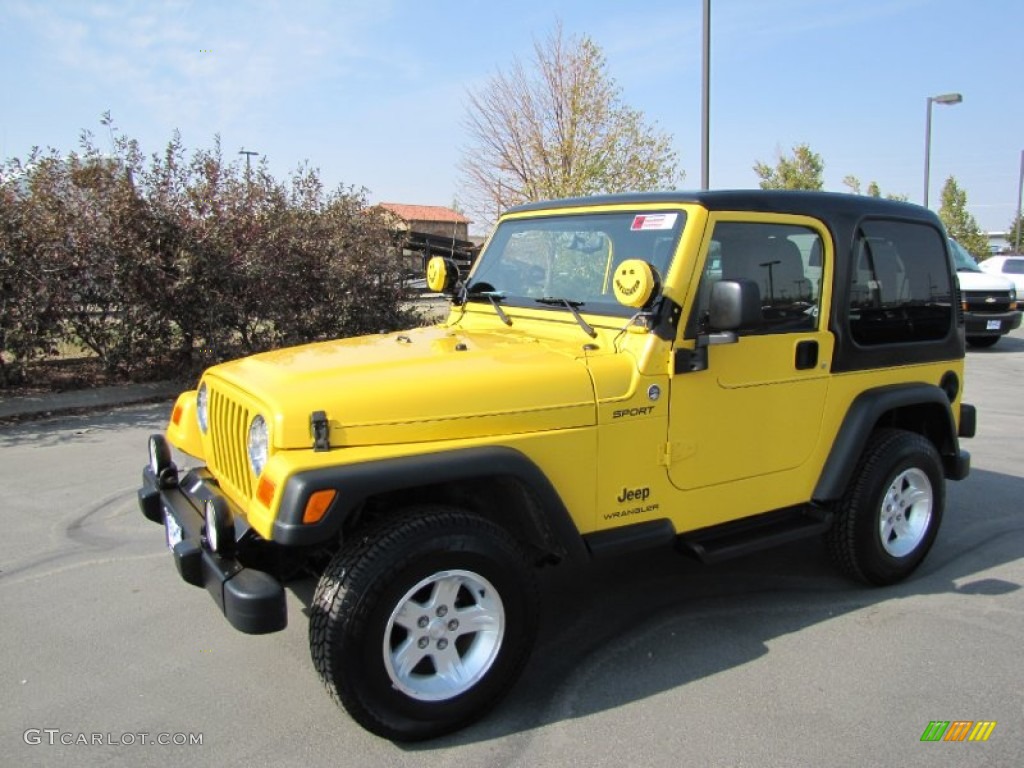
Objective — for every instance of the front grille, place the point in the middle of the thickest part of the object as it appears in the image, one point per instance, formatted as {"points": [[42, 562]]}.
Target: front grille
{"points": [[987, 301], [229, 427]]}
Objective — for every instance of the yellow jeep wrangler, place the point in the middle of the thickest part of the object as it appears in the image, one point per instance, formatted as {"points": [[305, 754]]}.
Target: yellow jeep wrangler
{"points": [[716, 372]]}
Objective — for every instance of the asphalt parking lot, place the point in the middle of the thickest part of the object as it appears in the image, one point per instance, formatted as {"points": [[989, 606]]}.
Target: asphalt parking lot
{"points": [[773, 660]]}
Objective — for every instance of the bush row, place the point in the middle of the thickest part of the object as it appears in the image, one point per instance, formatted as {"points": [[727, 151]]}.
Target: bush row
{"points": [[175, 261]]}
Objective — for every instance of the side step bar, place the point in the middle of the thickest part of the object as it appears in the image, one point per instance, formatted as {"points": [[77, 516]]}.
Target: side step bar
{"points": [[722, 542]]}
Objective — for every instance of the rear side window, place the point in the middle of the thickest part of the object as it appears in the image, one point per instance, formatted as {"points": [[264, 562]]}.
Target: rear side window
{"points": [[900, 289], [1013, 267]]}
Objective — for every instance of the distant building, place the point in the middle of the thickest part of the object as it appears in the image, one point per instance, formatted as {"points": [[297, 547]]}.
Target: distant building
{"points": [[997, 242], [430, 220], [433, 230]]}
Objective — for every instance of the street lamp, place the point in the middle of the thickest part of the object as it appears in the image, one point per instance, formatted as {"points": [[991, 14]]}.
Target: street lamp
{"points": [[705, 99], [248, 154], [1020, 194], [946, 98]]}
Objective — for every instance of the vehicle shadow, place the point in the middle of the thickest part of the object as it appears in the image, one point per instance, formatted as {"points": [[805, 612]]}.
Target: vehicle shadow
{"points": [[618, 632], [1006, 345]]}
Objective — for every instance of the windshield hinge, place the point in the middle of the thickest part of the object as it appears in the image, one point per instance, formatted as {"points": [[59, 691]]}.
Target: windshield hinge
{"points": [[665, 455], [321, 431]]}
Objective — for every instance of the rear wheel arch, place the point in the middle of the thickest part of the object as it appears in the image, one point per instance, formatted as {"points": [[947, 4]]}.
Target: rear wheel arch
{"points": [[920, 408]]}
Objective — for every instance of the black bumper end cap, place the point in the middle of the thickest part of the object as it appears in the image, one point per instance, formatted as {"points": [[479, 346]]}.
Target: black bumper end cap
{"points": [[149, 503], [254, 603], [188, 557]]}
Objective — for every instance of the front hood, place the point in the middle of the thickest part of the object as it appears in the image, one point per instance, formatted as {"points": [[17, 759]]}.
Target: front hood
{"points": [[982, 281], [424, 384]]}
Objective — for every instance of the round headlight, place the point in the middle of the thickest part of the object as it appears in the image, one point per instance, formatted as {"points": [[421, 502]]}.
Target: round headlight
{"points": [[203, 407], [258, 445]]}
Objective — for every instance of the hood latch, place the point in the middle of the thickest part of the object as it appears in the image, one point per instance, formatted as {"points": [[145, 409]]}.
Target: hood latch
{"points": [[321, 431]]}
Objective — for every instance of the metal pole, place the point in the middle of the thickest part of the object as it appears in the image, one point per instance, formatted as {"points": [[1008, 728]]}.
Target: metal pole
{"points": [[1020, 193], [945, 98], [248, 154], [248, 178], [705, 100], [927, 148]]}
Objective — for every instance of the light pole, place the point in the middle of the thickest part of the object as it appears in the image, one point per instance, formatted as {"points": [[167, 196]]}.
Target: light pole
{"points": [[705, 100], [248, 155], [945, 98], [1020, 192], [248, 178]]}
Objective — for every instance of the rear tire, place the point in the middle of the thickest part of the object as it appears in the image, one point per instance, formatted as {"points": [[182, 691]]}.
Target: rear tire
{"points": [[890, 514], [421, 624]]}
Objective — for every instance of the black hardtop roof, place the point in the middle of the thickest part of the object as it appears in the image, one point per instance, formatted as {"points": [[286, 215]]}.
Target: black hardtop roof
{"points": [[824, 205]]}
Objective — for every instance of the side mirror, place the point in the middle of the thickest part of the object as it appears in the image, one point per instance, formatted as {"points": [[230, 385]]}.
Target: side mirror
{"points": [[636, 283], [442, 274], [735, 305]]}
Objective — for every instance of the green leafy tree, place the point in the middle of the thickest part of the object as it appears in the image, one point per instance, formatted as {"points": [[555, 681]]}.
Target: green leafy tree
{"points": [[802, 170], [558, 127], [1015, 234], [959, 222], [873, 189]]}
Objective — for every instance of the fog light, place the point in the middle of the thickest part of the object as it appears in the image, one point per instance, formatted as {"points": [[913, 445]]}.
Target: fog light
{"points": [[220, 527], [160, 456]]}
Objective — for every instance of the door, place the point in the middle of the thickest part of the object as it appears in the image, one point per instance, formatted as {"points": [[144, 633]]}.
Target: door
{"points": [[756, 410]]}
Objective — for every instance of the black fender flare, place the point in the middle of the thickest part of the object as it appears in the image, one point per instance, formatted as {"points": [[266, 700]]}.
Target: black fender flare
{"points": [[355, 483], [871, 408]]}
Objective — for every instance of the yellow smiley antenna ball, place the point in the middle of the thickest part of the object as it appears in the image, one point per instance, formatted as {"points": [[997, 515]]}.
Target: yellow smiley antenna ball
{"points": [[634, 283]]}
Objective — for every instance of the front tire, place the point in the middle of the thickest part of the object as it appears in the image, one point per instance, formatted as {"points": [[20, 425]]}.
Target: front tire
{"points": [[982, 341], [422, 623], [890, 514]]}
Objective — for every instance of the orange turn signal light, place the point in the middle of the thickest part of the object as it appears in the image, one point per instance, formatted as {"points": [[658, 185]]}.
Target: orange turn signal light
{"points": [[176, 415], [265, 492], [317, 505]]}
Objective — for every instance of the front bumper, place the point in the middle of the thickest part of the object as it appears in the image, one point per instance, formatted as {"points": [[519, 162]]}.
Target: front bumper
{"points": [[251, 600], [991, 323]]}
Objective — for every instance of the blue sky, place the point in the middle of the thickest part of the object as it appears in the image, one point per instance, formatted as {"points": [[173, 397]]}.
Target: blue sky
{"points": [[373, 93]]}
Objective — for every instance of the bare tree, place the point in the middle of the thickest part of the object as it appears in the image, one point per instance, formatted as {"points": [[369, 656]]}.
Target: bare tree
{"points": [[558, 129]]}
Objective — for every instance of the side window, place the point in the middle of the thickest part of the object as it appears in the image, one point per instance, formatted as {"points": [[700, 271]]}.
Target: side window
{"points": [[900, 286], [784, 261]]}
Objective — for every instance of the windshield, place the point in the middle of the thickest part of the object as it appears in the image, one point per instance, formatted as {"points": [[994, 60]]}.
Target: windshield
{"points": [[573, 257], [962, 259]]}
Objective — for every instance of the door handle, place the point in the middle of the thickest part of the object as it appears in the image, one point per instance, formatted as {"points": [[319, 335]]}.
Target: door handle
{"points": [[806, 354]]}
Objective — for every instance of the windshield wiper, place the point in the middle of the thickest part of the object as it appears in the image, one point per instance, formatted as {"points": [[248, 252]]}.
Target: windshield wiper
{"points": [[571, 306], [494, 297]]}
